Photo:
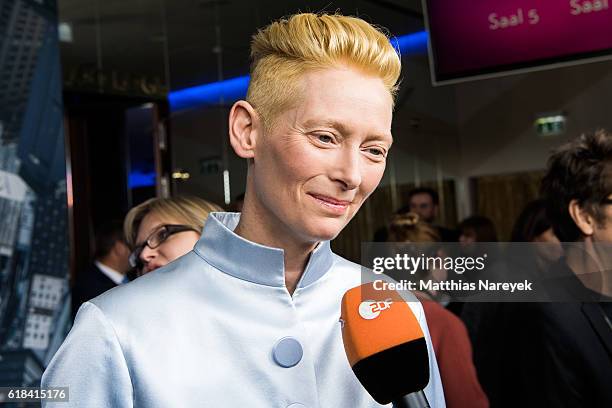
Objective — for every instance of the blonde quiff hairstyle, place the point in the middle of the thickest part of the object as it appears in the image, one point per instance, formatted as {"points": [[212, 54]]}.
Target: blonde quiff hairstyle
{"points": [[287, 48], [185, 210]]}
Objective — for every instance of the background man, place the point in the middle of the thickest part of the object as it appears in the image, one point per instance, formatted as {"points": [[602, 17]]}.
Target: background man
{"points": [[572, 352], [425, 202], [559, 354], [108, 269]]}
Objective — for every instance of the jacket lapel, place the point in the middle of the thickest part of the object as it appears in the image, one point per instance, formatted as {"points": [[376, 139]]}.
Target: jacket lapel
{"points": [[598, 320]]}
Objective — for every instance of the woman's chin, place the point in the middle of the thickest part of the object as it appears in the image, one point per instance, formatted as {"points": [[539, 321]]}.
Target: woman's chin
{"points": [[324, 230]]}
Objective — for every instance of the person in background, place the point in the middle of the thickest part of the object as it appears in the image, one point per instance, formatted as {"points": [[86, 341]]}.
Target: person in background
{"points": [[425, 202], [108, 269], [487, 323], [480, 318], [565, 357], [559, 354], [533, 225], [477, 228], [448, 333], [474, 234], [160, 230]]}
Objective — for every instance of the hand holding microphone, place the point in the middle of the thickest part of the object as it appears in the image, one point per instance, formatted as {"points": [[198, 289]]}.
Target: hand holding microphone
{"points": [[385, 346]]}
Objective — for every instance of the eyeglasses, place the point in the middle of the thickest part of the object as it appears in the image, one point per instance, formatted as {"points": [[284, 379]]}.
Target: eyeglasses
{"points": [[157, 237]]}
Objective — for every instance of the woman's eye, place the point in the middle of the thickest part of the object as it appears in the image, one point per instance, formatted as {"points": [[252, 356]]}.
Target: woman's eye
{"points": [[325, 138], [376, 151], [162, 236]]}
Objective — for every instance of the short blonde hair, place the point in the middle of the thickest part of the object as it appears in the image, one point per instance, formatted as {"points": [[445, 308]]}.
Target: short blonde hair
{"points": [[287, 48], [191, 211]]}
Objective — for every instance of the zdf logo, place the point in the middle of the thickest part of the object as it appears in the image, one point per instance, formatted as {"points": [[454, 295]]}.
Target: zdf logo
{"points": [[371, 309]]}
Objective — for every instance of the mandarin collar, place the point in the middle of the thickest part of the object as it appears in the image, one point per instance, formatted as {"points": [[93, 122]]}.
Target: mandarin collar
{"points": [[231, 254]]}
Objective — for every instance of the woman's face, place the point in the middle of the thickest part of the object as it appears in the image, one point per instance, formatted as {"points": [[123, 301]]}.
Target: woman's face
{"points": [[314, 169], [175, 246]]}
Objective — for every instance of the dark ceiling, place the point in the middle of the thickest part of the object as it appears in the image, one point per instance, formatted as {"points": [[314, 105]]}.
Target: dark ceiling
{"points": [[179, 38]]}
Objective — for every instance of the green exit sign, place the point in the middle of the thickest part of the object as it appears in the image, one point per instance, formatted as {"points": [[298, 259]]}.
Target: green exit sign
{"points": [[550, 124]]}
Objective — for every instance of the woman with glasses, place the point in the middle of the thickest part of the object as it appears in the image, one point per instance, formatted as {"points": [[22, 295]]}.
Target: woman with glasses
{"points": [[162, 229]]}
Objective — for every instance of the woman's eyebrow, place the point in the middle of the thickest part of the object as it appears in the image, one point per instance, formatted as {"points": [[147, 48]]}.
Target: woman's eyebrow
{"points": [[151, 232], [327, 123], [387, 137]]}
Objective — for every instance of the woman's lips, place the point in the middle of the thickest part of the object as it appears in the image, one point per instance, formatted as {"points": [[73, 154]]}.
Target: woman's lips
{"points": [[150, 268], [332, 204]]}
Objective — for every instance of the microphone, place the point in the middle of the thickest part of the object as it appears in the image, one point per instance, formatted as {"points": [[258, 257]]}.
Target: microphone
{"points": [[385, 346]]}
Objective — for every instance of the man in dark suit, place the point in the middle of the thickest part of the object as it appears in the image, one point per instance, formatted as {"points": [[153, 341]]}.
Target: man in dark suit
{"points": [[574, 339], [108, 269], [559, 354]]}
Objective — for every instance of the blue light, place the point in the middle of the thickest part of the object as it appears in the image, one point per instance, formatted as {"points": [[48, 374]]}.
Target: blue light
{"points": [[411, 44], [230, 90], [138, 178], [227, 91]]}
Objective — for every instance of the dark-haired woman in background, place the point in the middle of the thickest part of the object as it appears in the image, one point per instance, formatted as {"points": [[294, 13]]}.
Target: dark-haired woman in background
{"points": [[533, 225], [477, 229], [492, 325], [448, 334]]}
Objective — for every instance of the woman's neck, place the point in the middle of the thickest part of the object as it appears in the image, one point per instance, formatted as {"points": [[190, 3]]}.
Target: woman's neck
{"points": [[256, 227]]}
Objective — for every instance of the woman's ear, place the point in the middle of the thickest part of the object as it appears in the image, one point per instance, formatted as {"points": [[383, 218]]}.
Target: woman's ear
{"points": [[583, 220], [244, 126], [120, 250]]}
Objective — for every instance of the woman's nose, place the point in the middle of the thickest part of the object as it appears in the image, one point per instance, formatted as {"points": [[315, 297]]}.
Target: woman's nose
{"points": [[348, 169], [147, 254]]}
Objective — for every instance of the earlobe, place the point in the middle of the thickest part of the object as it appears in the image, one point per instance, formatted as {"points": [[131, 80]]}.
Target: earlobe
{"points": [[583, 220], [243, 128]]}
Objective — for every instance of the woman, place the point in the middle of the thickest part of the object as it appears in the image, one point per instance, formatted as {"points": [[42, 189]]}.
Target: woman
{"points": [[162, 229], [448, 334], [249, 318], [477, 229], [533, 225]]}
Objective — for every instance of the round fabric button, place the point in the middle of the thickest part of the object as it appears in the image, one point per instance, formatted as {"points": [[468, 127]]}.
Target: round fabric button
{"points": [[287, 352], [296, 405]]}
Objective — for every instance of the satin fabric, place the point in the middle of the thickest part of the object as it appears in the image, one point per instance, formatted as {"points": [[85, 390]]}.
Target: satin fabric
{"points": [[200, 332]]}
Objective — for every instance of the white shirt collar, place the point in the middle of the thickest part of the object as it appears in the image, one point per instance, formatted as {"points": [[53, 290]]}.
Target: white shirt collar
{"points": [[112, 274]]}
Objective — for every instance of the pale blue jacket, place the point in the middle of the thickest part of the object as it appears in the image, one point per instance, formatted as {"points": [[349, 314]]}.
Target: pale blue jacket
{"points": [[200, 332]]}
